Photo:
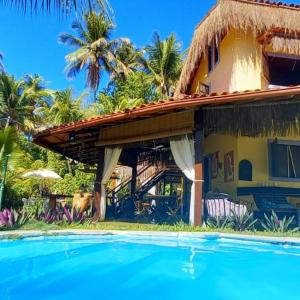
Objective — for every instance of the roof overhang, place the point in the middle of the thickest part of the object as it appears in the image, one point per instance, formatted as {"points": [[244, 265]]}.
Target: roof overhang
{"points": [[88, 131]]}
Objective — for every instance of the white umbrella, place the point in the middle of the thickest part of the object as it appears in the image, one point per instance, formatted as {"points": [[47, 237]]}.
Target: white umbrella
{"points": [[42, 174]]}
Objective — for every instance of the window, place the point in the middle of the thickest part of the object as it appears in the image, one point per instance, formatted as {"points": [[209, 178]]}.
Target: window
{"points": [[213, 55], [245, 170], [283, 71], [284, 159]]}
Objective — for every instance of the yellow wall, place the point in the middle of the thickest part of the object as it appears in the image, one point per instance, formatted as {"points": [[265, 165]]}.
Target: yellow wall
{"points": [[222, 144], [253, 149], [239, 68], [256, 151]]}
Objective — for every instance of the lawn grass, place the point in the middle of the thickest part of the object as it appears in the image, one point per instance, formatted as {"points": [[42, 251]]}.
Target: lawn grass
{"points": [[128, 226]]}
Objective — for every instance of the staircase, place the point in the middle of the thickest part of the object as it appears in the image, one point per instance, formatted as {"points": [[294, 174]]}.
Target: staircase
{"points": [[122, 203]]}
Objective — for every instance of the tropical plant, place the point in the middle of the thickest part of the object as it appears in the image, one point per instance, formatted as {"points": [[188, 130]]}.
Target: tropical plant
{"points": [[218, 222], [122, 94], [10, 152], [61, 215], [60, 6], [242, 221], [74, 216], [34, 206], [1, 63], [19, 100], [108, 105], [274, 224], [163, 62], [64, 108], [95, 51], [11, 218], [131, 59]]}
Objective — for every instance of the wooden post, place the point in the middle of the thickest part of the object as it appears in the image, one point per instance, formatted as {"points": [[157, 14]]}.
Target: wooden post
{"points": [[97, 186], [198, 135], [133, 176], [52, 203]]}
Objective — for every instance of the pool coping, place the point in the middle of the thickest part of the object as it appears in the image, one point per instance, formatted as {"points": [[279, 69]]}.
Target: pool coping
{"points": [[166, 234]]}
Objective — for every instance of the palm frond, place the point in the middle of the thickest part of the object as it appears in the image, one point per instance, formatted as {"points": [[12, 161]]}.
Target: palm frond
{"points": [[60, 7], [66, 38]]}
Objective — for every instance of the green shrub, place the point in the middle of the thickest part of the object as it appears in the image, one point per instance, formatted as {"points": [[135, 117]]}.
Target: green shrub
{"points": [[274, 224]]}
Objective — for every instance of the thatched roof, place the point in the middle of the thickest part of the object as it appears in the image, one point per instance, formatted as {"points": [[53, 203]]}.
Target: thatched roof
{"points": [[265, 119], [256, 16]]}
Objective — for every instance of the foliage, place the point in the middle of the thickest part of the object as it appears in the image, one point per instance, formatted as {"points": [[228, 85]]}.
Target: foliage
{"points": [[1, 63], [164, 62], [19, 99], [11, 218], [242, 222], [63, 108], [9, 148], [218, 222], [60, 6], [62, 215], [34, 206], [274, 224], [131, 59], [72, 183], [95, 49], [236, 222], [136, 89], [75, 216]]}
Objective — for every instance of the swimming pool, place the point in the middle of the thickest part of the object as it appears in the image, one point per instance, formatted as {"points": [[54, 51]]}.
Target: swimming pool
{"points": [[137, 267]]}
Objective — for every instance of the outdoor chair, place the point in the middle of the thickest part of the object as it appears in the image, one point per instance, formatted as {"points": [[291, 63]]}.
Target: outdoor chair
{"points": [[222, 205]]}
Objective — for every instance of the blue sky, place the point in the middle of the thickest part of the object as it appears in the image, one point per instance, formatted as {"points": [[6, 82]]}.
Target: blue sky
{"points": [[29, 43]]}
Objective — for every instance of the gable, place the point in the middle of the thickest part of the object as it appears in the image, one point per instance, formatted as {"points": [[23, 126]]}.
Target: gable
{"points": [[256, 16]]}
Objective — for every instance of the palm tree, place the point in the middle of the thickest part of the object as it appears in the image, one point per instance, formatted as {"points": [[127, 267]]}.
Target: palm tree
{"points": [[60, 6], [107, 104], [1, 64], [95, 51], [10, 155], [130, 58], [164, 61], [19, 100], [64, 108], [9, 147]]}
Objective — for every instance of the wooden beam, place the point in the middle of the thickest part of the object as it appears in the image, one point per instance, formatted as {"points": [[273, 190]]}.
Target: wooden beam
{"points": [[198, 135], [97, 186], [146, 137]]}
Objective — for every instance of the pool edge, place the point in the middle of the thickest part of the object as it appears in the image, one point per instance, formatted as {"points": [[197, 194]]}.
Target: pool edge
{"points": [[203, 235]]}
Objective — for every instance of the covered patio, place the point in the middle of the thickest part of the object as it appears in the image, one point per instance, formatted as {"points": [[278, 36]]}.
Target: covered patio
{"points": [[169, 135]]}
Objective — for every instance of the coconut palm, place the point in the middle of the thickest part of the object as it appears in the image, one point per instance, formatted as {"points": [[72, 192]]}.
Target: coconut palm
{"points": [[95, 51], [164, 61], [64, 108], [1, 63], [107, 104], [19, 100], [130, 58], [9, 147], [10, 156], [60, 6]]}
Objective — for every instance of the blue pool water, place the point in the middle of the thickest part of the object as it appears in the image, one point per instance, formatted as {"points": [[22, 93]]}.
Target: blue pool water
{"points": [[127, 267]]}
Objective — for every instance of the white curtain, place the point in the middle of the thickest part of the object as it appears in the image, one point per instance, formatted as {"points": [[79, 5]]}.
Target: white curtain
{"points": [[184, 155], [111, 158]]}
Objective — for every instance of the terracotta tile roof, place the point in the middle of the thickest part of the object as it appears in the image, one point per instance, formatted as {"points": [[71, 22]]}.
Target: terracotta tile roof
{"points": [[166, 106], [273, 3]]}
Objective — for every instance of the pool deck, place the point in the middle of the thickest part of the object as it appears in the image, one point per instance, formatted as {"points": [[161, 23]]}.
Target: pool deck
{"points": [[203, 235]]}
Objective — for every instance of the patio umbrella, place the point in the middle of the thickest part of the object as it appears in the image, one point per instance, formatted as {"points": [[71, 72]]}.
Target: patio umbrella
{"points": [[41, 174]]}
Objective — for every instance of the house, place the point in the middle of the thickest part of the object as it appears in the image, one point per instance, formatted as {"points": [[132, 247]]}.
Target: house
{"points": [[232, 126]]}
